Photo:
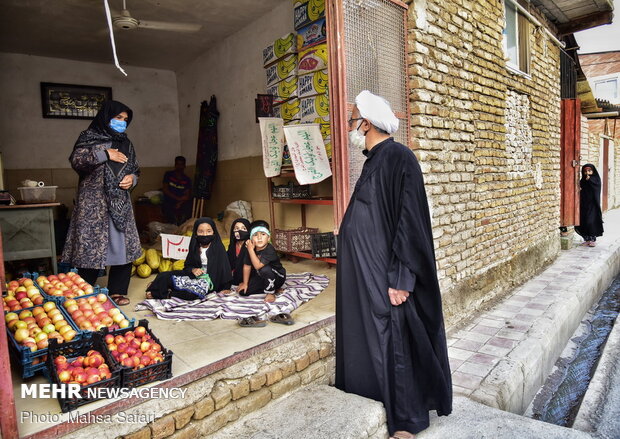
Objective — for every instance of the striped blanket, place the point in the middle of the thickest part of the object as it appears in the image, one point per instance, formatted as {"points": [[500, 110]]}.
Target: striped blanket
{"points": [[298, 288]]}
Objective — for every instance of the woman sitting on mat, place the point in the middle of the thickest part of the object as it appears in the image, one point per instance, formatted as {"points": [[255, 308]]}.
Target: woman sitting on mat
{"points": [[237, 251], [206, 268]]}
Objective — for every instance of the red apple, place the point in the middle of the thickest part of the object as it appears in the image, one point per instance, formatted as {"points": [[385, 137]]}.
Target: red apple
{"points": [[109, 339], [119, 339], [48, 306], [130, 351], [24, 314], [155, 347], [122, 347], [128, 362], [80, 377], [145, 346], [145, 360], [101, 298], [64, 376]]}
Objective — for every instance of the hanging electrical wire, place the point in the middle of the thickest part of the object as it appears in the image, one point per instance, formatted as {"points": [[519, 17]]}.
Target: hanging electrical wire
{"points": [[109, 17]]}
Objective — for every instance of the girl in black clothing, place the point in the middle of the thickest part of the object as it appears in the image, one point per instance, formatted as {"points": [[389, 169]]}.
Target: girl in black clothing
{"points": [[590, 214], [239, 234], [206, 268]]}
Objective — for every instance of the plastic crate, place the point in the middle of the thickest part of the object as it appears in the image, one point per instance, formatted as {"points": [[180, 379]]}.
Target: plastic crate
{"points": [[43, 194], [290, 190], [148, 374], [72, 350], [57, 299], [294, 240], [324, 245], [98, 290], [32, 362]]}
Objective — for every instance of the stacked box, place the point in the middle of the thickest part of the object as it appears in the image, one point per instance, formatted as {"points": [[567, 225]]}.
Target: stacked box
{"points": [[305, 12], [312, 84], [283, 90], [314, 107], [313, 33], [289, 110], [281, 69], [279, 48], [312, 59]]}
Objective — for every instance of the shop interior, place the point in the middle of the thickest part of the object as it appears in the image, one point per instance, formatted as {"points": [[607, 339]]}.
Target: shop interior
{"points": [[169, 74]]}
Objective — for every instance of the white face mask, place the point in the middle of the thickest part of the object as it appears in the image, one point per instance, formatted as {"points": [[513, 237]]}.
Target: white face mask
{"points": [[357, 139]]}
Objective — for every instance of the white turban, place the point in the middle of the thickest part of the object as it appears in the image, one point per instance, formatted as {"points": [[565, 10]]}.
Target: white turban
{"points": [[377, 111]]}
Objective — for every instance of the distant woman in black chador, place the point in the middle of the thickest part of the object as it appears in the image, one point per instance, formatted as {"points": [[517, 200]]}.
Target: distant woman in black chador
{"points": [[590, 214]]}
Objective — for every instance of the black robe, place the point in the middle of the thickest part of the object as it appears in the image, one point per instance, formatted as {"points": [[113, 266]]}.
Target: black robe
{"points": [[393, 354], [236, 262], [590, 214]]}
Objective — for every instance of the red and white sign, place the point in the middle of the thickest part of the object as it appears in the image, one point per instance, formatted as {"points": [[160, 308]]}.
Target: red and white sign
{"points": [[174, 246]]}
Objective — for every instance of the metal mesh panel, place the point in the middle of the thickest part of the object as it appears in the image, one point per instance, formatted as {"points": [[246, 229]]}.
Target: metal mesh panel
{"points": [[375, 59]]}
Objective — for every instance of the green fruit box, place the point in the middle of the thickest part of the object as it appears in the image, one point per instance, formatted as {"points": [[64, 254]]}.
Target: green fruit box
{"points": [[27, 361], [71, 351], [107, 305], [143, 374]]}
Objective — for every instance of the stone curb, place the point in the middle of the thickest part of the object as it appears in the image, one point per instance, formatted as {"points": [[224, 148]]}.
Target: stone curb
{"points": [[516, 378], [587, 418]]}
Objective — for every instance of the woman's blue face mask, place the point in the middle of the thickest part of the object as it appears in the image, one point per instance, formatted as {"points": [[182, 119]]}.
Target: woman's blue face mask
{"points": [[118, 125]]}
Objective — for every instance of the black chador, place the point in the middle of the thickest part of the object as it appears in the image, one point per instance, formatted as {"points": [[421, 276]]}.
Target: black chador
{"points": [[590, 214], [393, 354]]}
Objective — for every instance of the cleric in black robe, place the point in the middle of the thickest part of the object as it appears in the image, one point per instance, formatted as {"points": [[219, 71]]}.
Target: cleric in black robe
{"points": [[390, 337], [590, 214]]}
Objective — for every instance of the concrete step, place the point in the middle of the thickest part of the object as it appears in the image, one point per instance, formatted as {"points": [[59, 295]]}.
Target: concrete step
{"points": [[323, 412], [318, 412]]}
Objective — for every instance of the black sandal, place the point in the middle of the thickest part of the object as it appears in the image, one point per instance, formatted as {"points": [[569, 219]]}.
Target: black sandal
{"points": [[252, 322], [283, 318]]}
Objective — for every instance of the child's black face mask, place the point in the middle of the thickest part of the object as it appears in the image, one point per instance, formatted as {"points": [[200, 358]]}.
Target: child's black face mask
{"points": [[205, 239]]}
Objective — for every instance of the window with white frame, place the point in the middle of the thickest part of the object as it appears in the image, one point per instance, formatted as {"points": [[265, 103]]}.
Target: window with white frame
{"points": [[516, 38], [607, 88]]}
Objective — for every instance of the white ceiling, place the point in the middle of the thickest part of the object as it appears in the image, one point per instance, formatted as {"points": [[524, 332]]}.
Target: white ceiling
{"points": [[76, 29]]}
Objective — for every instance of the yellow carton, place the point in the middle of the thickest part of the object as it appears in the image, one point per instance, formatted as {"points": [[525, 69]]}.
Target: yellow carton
{"points": [[314, 107], [283, 90], [312, 59], [280, 47], [312, 84], [281, 69]]}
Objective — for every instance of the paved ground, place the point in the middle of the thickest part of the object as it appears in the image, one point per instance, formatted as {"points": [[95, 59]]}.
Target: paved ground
{"points": [[503, 356]]}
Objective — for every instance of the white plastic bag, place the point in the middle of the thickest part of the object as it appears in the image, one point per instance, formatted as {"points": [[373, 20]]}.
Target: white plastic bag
{"points": [[242, 208]]}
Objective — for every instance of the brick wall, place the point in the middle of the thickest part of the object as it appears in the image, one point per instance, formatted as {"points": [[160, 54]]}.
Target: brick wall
{"points": [[488, 143]]}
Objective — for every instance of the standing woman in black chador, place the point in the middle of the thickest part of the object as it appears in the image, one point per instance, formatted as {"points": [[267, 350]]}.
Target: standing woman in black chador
{"points": [[590, 214], [390, 336], [103, 229], [239, 233]]}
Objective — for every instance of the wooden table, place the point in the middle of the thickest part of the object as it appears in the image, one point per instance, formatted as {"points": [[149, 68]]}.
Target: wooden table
{"points": [[28, 232]]}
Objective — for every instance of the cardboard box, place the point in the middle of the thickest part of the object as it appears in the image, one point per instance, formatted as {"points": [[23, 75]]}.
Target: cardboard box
{"points": [[280, 47], [314, 107], [288, 110], [281, 69], [306, 12], [283, 90], [312, 34], [312, 84], [312, 59]]}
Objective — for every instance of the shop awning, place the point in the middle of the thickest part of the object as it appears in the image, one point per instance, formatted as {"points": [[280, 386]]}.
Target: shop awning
{"points": [[575, 15]]}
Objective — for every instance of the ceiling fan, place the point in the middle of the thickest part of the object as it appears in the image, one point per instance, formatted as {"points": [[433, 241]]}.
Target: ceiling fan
{"points": [[124, 21]]}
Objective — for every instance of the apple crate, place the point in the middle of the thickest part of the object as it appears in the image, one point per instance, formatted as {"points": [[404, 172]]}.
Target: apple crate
{"points": [[148, 374], [108, 304], [28, 362], [57, 299], [71, 351]]}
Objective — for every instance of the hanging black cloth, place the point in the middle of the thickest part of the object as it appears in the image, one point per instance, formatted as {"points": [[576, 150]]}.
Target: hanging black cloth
{"points": [[590, 213], [394, 354], [236, 262], [206, 154], [99, 132]]}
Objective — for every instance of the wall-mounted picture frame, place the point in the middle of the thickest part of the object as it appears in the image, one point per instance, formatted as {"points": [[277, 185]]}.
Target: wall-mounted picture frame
{"points": [[71, 101]]}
